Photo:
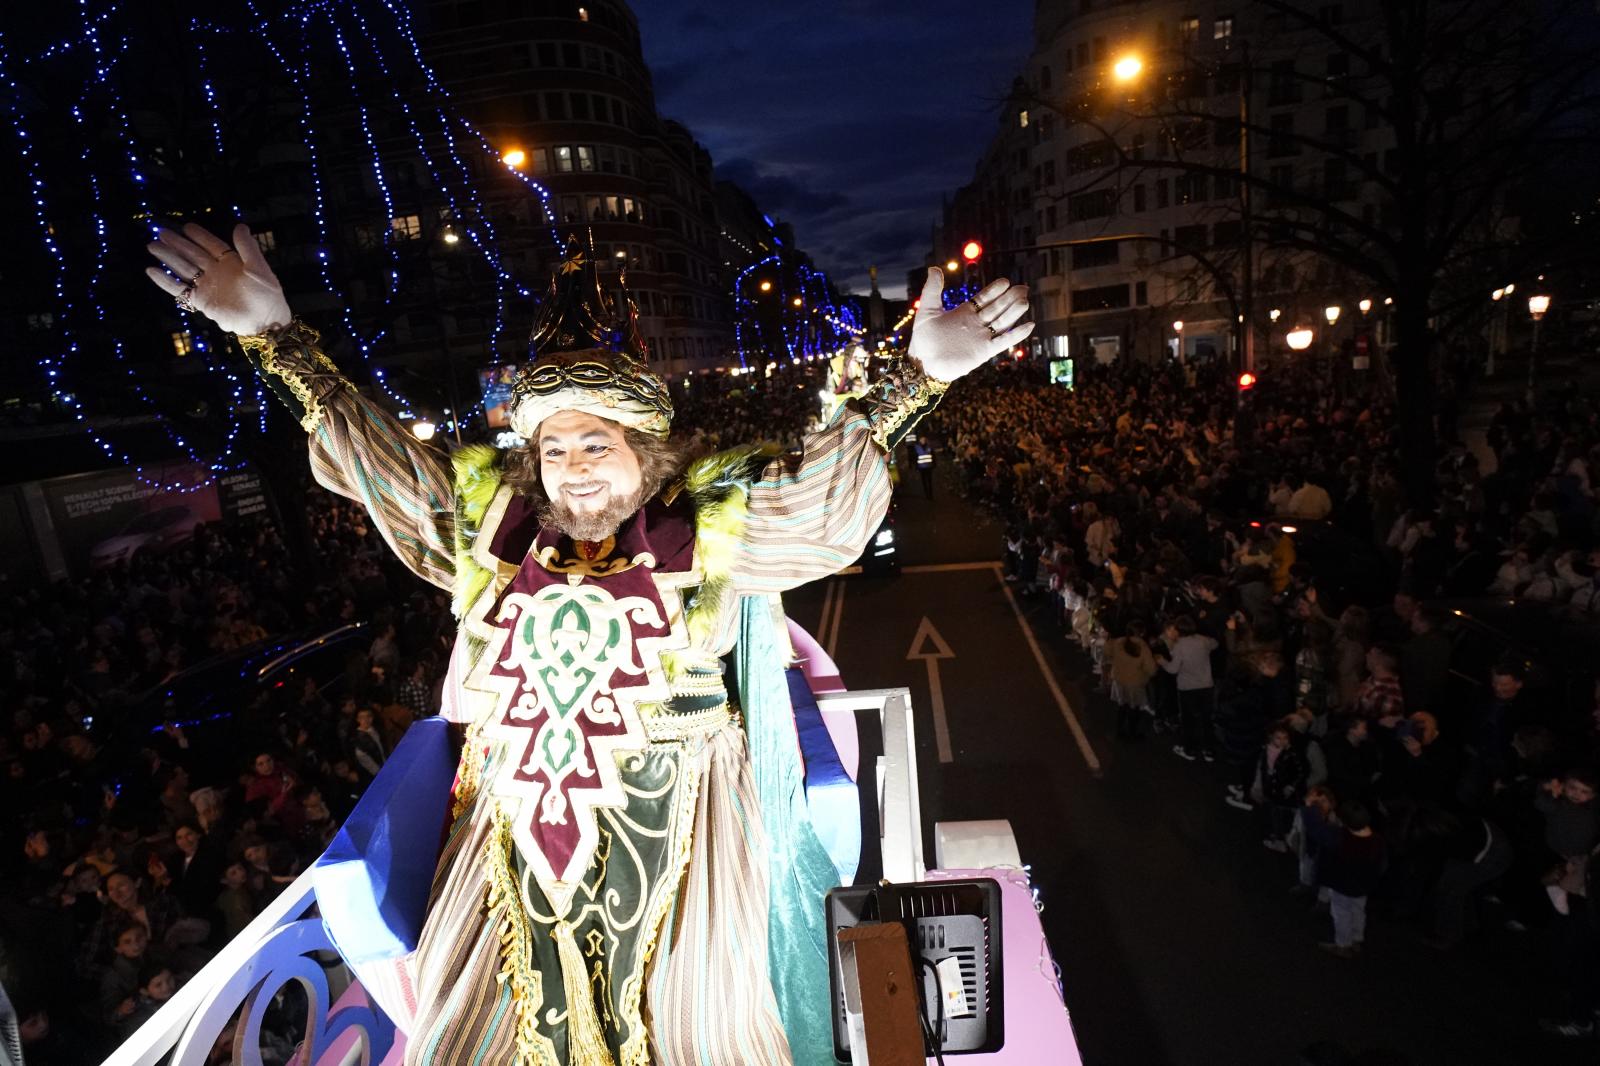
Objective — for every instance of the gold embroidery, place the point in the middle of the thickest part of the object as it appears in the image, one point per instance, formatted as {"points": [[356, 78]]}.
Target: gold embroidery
{"points": [[595, 563], [898, 399], [516, 947], [298, 379]]}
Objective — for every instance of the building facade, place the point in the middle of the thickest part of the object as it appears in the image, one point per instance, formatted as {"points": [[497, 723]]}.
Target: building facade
{"points": [[1112, 184]]}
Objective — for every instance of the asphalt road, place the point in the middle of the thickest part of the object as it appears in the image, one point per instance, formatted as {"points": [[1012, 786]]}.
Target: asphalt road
{"points": [[1178, 941]]}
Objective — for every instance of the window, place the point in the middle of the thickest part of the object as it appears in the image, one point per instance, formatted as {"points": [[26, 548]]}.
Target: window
{"points": [[1226, 234], [1193, 237], [1141, 293], [530, 108], [607, 156], [1188, 30], [585, 153], [569, 56], [1022, 118], [41, 320], [1190, 188], [580, 107], [1138, 197], [1100, 253], [1083, 53], [267, 241], [591, 58], [406, 227], [1050, 217], [1335, 182], [1338, 71], [563, 154], [1161, 193], [1097, 50], [182, 343], [1101, 203], [1044, 77], [1222, 28], [1136, 149], [1049, 172], [1283, 86], [1101, 298], [555, 107], [1281, 142], [1336, 120], [547, 54], [1091, 156]]}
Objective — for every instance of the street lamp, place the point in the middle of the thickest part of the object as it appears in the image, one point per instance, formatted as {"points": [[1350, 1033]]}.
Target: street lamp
{"points": [[1332, 313], [951, 266], [766, 286], [423, 429], [1274, 314], [798, 302], [514, 158], [1127, 68], [451, 237], [1299, 339], [1538, 304], [1365, 305]]}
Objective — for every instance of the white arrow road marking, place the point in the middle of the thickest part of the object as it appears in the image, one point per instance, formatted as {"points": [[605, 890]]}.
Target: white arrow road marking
{"points": [[920, 649]]}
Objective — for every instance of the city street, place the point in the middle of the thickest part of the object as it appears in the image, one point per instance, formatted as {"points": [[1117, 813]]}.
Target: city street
{"points": [[1176, 935]]}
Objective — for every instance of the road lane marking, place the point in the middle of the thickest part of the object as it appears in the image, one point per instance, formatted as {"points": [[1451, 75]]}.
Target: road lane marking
{"points": [[1049, 678], [928, 635], [947, 568]]}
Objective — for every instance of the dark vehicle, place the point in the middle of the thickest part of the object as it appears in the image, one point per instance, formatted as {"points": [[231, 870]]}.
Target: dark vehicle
{"points": [[1558, 647], [213, 700], [154, 531], [1348, 570], [881, 557]]}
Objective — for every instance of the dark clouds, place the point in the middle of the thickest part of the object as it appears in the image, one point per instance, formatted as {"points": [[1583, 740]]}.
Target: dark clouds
{"points": [[848, 118]]}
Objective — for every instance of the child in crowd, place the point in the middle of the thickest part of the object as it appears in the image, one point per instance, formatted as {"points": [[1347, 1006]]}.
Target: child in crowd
{"points": [[1189, 659], [1571, 831], [1130, 665], [1351, 859]]}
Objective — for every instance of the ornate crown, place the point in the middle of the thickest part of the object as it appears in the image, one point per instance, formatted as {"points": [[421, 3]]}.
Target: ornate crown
{"points": [[588, 355]]}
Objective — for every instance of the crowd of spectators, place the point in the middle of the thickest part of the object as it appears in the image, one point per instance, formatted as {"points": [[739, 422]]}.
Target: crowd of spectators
{"points": [[1392, 763], [138, 839]]}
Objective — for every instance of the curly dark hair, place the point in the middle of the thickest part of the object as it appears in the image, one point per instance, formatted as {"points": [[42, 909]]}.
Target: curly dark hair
{"points": [[660, 460]]}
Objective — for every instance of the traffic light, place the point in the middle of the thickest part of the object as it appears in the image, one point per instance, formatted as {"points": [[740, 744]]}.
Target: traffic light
{"points": [[1247, 381], [972, 251]]}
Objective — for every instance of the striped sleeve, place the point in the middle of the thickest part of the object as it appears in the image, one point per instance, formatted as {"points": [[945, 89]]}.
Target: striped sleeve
{"points": [[362, 452], [811, 515]]}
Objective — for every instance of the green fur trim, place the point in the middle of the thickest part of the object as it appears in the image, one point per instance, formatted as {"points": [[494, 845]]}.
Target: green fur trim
{"points": [[477, 473], [719, 486]]}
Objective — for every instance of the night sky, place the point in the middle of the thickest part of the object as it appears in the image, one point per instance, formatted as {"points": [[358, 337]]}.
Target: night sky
{"points": [[847, 118]]}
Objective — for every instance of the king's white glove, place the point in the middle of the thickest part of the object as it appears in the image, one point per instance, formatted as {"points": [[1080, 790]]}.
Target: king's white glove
{"points": [[234, 287], [948, 344]]}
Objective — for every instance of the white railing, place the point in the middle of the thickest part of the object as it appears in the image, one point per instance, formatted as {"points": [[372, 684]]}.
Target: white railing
{"points": [[287, 942], [232, 992], [899, 799]]}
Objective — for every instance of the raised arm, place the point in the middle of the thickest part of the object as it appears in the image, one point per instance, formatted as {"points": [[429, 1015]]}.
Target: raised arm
{"points": [[810, 516], [357, 449]]}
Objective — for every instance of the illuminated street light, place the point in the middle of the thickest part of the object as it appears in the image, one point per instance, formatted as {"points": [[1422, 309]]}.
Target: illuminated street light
{"points": [[1274, 314], [1497, 294], [1127, 68], [1537, 306], [1365, 305], [1177, 327], [952, 266], [451, 237], [423, 429], [1332, 313], [1299, 339], [766, 286], [514, 158], [798, 302], [1510, 289]]}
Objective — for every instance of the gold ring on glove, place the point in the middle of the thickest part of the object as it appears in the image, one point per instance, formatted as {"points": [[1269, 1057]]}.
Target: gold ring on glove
{"points": [[198, 274], [991, 329], [183, 299], [224, 255]]}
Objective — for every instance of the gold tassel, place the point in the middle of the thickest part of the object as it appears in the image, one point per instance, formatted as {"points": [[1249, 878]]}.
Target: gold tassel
{"points": [[586, 1040]]}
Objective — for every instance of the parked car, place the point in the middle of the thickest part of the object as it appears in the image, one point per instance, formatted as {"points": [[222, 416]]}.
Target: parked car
{"points": [[881, 557], [209, 699], [159, 530]]}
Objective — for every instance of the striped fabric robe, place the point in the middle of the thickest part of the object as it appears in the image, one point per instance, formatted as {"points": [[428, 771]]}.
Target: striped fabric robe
{"points": [[487, 980]]}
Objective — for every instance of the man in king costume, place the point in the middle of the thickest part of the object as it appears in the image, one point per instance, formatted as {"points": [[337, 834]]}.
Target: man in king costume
{"points": [[629, 875]]}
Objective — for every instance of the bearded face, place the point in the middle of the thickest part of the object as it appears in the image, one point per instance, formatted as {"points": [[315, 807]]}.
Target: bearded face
{"points": [[591, 477]]}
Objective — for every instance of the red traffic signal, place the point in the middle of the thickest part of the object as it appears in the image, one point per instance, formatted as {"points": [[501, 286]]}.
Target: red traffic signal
{"points": [[972, 251], [1247, 381]]}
